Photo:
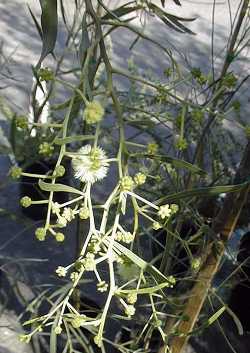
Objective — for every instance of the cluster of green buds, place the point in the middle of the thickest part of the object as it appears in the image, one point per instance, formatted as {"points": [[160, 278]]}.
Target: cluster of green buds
{"points": [[132, 298], [40, 233], [64, 215], [181, 144], [21, 122], [125, 237], [127, 183], [46, 149], [199, 76], [61, 271], [83, 212], [78, 320], [102, 286], [89, 262], [152, 148], [93, 112], [15, 172], [25, 201], [59, 237], [165, 211], [24, 338], [156, 225], [45, 74], [140, 179], [74, 276], [195, 264], [59, 171]]}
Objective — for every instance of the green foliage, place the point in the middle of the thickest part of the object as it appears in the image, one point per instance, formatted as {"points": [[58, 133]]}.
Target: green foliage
{"points": [[156, 186]]}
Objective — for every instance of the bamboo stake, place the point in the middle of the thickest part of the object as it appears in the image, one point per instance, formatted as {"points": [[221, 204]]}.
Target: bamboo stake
{"points": [[223, 226]]}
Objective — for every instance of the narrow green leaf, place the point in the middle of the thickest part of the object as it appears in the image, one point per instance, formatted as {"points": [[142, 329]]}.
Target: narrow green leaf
{"points": [[58, 187], [53, 335], [148, 290], [209, 191], [170, 20], [215, 316], [38, 27], [178, 163], [85, 41], [49, 24], [120, 11], [70, 139]]}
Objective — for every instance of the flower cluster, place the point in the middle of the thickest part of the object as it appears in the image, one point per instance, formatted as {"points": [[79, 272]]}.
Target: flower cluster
{"points": [[90, 164], [93, 112]]}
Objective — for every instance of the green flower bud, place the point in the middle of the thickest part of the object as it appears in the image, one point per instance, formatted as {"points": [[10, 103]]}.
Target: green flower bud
{"points": [[21, 122], [74, 276], [25, 201], [45, 74], [132, 298], [24, 338], [59, 171], [102, 286], [46, 149], [130, 310], [196, 263], [98, 340], [127, 183], [157, 323], [15, 172], [140, 178], [181, 144], [89, 262], [58, 330], [40, 233], [171, 281], [93, 112], [61, 271], [164, 211], [84, 213], [152, 148], [125, 237], [59, 237], [174, 208], [78, 321], [156, 226]]}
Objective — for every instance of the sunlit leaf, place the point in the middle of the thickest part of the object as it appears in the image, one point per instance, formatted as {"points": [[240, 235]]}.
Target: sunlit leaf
{"points": [[58, 187], [206, 191], [70, 139], [49, 24]]}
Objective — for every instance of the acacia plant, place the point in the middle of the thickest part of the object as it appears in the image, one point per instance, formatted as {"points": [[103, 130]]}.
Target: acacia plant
{"points": [[147, 189]]}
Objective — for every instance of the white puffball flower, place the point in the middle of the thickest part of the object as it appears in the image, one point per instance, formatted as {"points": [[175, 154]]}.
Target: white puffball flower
{"points": [[91, 164]]}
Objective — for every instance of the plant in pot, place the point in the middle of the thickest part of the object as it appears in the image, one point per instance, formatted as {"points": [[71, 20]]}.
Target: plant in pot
{"points": [[146, 189]]}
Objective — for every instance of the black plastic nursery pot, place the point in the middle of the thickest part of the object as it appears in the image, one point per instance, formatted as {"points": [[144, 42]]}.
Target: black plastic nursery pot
{"points": [[239, 301], [29, 187]]}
